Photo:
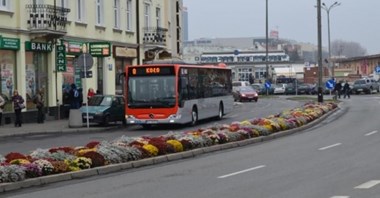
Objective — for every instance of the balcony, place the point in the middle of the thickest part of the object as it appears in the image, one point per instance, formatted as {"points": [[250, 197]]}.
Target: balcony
{"points": [[154, 36], [47, 20]]}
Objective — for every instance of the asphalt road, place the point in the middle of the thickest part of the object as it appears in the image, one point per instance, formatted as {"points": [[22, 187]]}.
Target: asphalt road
{"points": [[339, 158], [242, 111]]}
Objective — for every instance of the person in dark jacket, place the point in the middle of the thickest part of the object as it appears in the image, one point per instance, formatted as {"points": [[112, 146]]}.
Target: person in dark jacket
{"points": [[338, 90], [18, 101], [74, 97], [40, 106], [346, 90]]}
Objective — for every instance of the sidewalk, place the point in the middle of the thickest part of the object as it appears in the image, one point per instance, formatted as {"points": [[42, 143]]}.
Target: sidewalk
{"points": [[49, 127]]}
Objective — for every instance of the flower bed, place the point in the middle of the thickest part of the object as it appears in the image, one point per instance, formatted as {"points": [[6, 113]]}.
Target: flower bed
{"points": [[17, 166]]}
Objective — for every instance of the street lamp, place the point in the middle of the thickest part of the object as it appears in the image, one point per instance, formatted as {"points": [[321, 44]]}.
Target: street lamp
{"points": [[320, 89], [266, 41], [328, 8]]}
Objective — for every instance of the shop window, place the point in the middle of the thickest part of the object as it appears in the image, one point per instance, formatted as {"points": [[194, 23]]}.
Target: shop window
{"points": [[7, 76]]}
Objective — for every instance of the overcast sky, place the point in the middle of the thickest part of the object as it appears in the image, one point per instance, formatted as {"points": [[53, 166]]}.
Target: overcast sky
{"points": [[353, 20]]}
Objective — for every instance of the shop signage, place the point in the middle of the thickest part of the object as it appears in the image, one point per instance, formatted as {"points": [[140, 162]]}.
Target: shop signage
{"points": [[61, 58], [38, 47], [9, 43], [100, 49], [124, 52], [73, 47]]}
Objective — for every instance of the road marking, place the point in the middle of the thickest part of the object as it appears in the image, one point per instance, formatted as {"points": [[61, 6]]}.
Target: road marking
{"points": [[371, 133], [368, 184], [242, 171], [233, 116], [340, 197], [327, 147]]}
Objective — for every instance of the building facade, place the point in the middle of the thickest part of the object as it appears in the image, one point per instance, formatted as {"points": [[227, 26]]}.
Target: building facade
{"points": [[42, 42]]}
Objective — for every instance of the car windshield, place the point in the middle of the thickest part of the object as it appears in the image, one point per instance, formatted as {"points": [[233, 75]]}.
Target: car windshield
{"points": [[358, 82], [246, 89], [100, 101], [148, 92]]}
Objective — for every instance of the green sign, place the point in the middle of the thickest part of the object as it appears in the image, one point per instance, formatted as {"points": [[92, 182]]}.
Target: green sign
{"points": [[61, 58], [38, 47], [77, 77], [9, 43], [100, 49]]}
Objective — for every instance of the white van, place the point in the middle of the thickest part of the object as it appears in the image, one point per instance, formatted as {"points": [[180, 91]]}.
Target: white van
{"points": [[236, 84]]}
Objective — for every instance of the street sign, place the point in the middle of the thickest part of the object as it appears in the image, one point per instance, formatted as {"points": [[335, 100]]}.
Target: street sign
{"points": [[85, 60], [330, 84], [267, 85], [88, 74], [377, 69], [61, 58]]}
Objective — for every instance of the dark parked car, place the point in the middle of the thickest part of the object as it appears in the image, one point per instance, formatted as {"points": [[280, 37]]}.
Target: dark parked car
{"points": [[103, 109], [261, 90], [245, 93]]}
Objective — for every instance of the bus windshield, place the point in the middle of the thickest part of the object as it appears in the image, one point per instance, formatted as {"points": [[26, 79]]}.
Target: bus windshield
{"points": [[148, 92]]}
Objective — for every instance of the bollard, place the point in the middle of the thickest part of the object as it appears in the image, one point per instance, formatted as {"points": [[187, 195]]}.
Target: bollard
{"points": [[75, 118]]}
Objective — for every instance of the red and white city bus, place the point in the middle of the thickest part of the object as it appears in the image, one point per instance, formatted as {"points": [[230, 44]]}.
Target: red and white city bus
{"points": [[176, 93]]}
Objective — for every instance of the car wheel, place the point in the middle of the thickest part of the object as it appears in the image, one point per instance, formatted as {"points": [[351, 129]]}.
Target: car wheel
{"points": [[255, 100], [106, 120]]}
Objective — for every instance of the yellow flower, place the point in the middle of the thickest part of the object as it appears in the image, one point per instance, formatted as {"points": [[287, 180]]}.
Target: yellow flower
{"points": [[153, 151], [176, 144], [85, 150], [19, 161]]}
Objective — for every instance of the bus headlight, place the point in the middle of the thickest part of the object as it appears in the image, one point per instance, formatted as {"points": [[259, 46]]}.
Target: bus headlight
{"points": [[175, 116]]}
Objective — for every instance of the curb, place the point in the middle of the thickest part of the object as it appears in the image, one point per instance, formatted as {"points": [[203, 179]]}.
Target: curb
{"points": [[6, 187], [61, 131]]}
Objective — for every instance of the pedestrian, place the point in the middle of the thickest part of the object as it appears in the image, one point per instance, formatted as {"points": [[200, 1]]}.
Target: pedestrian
{"points": [[80, 91], [346, 90], [90, 93], [337, 90], [40, 106], [2, 104], [18, 105], [74, 97]]}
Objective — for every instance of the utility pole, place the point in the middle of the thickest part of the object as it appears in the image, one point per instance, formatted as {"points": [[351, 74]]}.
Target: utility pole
{"points": [[320, 71], [266, 41]]}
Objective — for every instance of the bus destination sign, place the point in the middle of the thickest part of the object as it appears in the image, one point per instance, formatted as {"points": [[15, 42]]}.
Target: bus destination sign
{"points": [[148, 71]]}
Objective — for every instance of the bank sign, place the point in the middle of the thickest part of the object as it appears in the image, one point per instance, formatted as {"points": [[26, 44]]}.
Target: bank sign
{"points": [[38, 47], [61, 58]]}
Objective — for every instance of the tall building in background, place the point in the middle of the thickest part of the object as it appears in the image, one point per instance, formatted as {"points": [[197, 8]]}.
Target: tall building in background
{"points": [[185, 24]]}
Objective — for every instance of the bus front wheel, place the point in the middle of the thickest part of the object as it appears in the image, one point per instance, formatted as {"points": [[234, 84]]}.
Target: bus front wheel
{"points": [[194, 116], [221, 111]]}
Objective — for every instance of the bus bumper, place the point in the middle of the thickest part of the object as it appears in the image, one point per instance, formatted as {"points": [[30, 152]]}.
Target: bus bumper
{"points": [[172, 119]]}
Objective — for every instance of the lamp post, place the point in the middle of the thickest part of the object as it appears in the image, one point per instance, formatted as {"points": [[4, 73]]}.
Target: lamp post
{"points": [[320, 89], [266, 41], [327, 9]]}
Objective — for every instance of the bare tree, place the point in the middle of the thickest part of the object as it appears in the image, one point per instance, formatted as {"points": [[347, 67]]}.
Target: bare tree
{"points": [[348, 49]]}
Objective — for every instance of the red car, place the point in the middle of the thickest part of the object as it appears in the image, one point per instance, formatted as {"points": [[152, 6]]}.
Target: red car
{"points": [[245, 93]]}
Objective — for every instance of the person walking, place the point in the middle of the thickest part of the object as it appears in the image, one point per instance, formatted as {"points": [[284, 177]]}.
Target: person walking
{"points": [[18, 105], [346, 90], [337, 90], [40, 106], [74, 97], [2, 103]]}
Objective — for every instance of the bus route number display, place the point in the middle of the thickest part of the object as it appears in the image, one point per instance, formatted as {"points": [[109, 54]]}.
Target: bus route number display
{"points": [[147, 71]]}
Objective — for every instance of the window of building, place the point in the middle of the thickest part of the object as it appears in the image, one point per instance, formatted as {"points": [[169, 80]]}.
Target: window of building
{"points": [[129, 15], [116, 12], [99, 13], [147, 15], [4, 5], [7, 76], [80, 11], [64, 4], [158, 17]]}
